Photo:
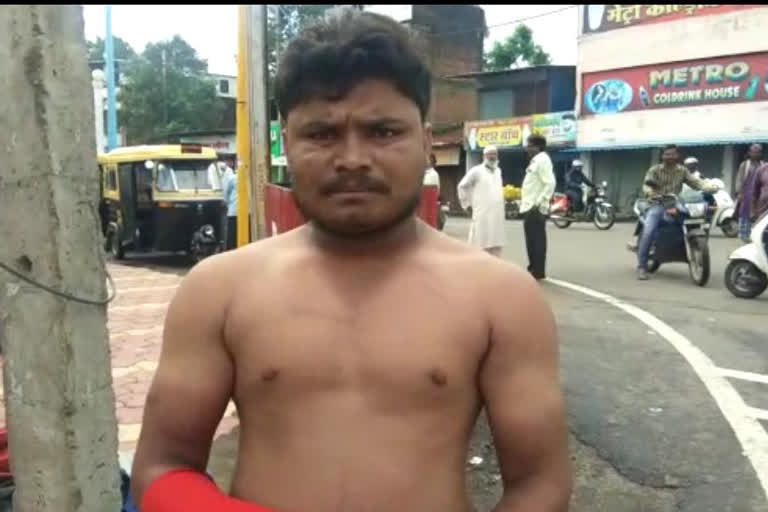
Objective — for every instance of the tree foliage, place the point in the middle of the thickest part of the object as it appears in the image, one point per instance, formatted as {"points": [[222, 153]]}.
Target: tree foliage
{"points": [[167, 90], [122, 49], [517, 50], [283, 23]]}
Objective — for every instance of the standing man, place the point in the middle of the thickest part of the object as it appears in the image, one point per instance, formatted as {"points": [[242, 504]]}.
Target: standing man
{"points": [[229, 185], [357, 359], [432, 178], [482, 190], [538, 187], [745, 185]]}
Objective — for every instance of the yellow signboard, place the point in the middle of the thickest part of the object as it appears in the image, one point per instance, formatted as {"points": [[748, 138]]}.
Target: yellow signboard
{"points": [[499, 135]]}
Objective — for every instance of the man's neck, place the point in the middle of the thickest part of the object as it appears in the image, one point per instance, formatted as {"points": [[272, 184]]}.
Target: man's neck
{"points": [[398, 238]]}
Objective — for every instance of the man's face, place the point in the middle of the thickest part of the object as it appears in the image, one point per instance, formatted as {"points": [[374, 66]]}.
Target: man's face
{"points": [[531, 150], [358, 163], [492, 157], [432, 161], [670, 156], [755, 152], [693, 167]]}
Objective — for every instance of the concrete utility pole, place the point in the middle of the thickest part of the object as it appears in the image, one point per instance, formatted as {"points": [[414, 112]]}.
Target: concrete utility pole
{"points": [[259, 114], [57, 378]]}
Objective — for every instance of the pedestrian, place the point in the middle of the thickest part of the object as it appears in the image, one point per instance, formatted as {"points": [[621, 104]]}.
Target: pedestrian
{"points": [[760, 193], [432, 178], [538, 187], [229, 186], [745, 185], [482, 190], [360, 347]]}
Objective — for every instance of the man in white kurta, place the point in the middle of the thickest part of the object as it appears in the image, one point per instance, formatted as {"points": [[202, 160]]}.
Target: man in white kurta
{"points": [[482, 190]]}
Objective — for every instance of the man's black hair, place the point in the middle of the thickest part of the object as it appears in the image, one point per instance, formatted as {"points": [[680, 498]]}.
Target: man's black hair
{"points": [[671, 146], [537, 140], [331, 56]]}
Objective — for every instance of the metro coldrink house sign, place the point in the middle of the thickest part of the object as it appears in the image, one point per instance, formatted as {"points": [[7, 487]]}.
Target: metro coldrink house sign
{"points": [[733, 79]]}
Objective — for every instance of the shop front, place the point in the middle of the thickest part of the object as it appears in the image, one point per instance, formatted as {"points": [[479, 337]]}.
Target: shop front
{"points": [[510, 137], [711, 108]]}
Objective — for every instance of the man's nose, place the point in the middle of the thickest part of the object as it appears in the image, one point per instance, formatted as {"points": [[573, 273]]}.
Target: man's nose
{"points": [[353, 153]]}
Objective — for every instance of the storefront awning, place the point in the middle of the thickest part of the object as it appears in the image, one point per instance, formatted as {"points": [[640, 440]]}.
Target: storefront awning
{"points": [[661, 144]]}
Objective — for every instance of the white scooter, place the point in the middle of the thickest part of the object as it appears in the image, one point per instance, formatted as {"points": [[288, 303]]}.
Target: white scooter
{"points": [[746, 275], [724, 208]]}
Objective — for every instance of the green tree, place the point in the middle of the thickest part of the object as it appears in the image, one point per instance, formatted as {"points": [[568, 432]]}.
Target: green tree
{"points": [[122, 49], [517, 50], [167, 90], [283, 23]]}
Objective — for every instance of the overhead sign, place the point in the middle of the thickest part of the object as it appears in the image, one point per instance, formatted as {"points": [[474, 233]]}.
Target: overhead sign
{"points": [[734, 79], [601, 18], [559, 128]]}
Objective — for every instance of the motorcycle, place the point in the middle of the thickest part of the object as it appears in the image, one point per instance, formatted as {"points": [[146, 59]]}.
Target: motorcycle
{"points": [[723, 208], [746, 275], [597, 209], [682, 236]]}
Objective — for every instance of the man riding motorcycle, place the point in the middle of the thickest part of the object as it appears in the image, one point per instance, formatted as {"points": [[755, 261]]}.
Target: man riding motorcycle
{"points": [[668, 177], [573, 182]]}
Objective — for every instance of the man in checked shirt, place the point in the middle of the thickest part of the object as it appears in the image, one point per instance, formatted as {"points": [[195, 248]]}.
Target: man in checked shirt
{"points": [[669, 177]]}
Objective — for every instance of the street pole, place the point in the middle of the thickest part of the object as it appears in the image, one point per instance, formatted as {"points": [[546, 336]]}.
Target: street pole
{"points": [[259, 116], [56, 365], [242, 129], [109, 58]]}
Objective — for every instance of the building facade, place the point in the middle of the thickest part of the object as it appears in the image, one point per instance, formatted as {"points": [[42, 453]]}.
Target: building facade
{"points": [[649, 75], [515, 103]]}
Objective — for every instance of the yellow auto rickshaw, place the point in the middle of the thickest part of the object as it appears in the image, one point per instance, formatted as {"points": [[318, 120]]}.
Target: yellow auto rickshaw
{"points": [[162, 198]]}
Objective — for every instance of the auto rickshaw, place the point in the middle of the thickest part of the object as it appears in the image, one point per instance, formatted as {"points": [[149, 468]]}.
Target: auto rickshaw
{"points": [[162, 198]]}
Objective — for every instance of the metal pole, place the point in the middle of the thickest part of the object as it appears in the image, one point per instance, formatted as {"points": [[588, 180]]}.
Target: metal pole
{"points": [[242, 133], [109, 57], [259, 116]]}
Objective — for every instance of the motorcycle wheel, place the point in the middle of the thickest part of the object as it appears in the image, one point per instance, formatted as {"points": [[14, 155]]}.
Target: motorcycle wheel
{"points": [[699, 267], [730, 227], [560, 222], [604, 217], [735, 274]]}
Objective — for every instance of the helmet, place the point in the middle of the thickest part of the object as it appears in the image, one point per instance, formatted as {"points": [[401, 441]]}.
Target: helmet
{"points": [[577, 163], [691, 160]]}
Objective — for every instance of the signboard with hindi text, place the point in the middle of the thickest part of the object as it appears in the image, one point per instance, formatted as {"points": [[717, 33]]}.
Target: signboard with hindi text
{"points": [[732, 79], [602, 18], [559, 128]]}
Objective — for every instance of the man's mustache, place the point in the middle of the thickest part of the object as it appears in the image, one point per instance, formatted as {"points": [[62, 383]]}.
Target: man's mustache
{"points": [[358, 183]]}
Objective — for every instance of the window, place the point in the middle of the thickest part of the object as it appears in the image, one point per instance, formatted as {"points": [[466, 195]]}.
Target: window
{"points": [[224, 86], [174, 175]]}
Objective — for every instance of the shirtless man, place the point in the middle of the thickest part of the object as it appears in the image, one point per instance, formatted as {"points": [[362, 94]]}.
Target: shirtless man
{"points": [[359, 348]]}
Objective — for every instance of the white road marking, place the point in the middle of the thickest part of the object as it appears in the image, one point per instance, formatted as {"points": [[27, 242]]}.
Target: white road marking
{"points": [[160, 305], [147, 289], [737, 374], [758, 414], [750, 433]]}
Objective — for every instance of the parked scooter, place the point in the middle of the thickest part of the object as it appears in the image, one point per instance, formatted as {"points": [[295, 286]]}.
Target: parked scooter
{"points": [[722, 207], [682, 236], [595, 209], [746, 275]]}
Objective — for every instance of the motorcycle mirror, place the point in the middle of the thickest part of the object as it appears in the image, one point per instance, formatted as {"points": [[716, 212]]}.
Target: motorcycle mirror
{"points": [[149, 164]]}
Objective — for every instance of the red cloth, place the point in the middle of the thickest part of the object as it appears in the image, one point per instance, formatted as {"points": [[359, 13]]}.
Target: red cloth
{"points": [[5, 464], [184, 490]]}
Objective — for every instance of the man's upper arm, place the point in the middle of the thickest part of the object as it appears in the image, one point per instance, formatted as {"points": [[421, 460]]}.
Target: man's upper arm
{"points": [[650, 175], [193, 382], [521, 390]]}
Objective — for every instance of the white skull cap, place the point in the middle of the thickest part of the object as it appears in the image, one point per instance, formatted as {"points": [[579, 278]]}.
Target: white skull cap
{"points": [[489, 149]]}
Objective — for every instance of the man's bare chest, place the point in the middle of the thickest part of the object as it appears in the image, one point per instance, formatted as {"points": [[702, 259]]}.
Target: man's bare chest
{"points": [[375, 343]]}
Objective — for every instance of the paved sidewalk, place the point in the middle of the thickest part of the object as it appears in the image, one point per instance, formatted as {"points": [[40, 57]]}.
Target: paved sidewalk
{"points": [[135, 322]]}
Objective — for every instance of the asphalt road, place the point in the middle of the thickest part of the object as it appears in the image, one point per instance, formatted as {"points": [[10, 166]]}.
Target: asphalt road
{"points": [[646, 433]]}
